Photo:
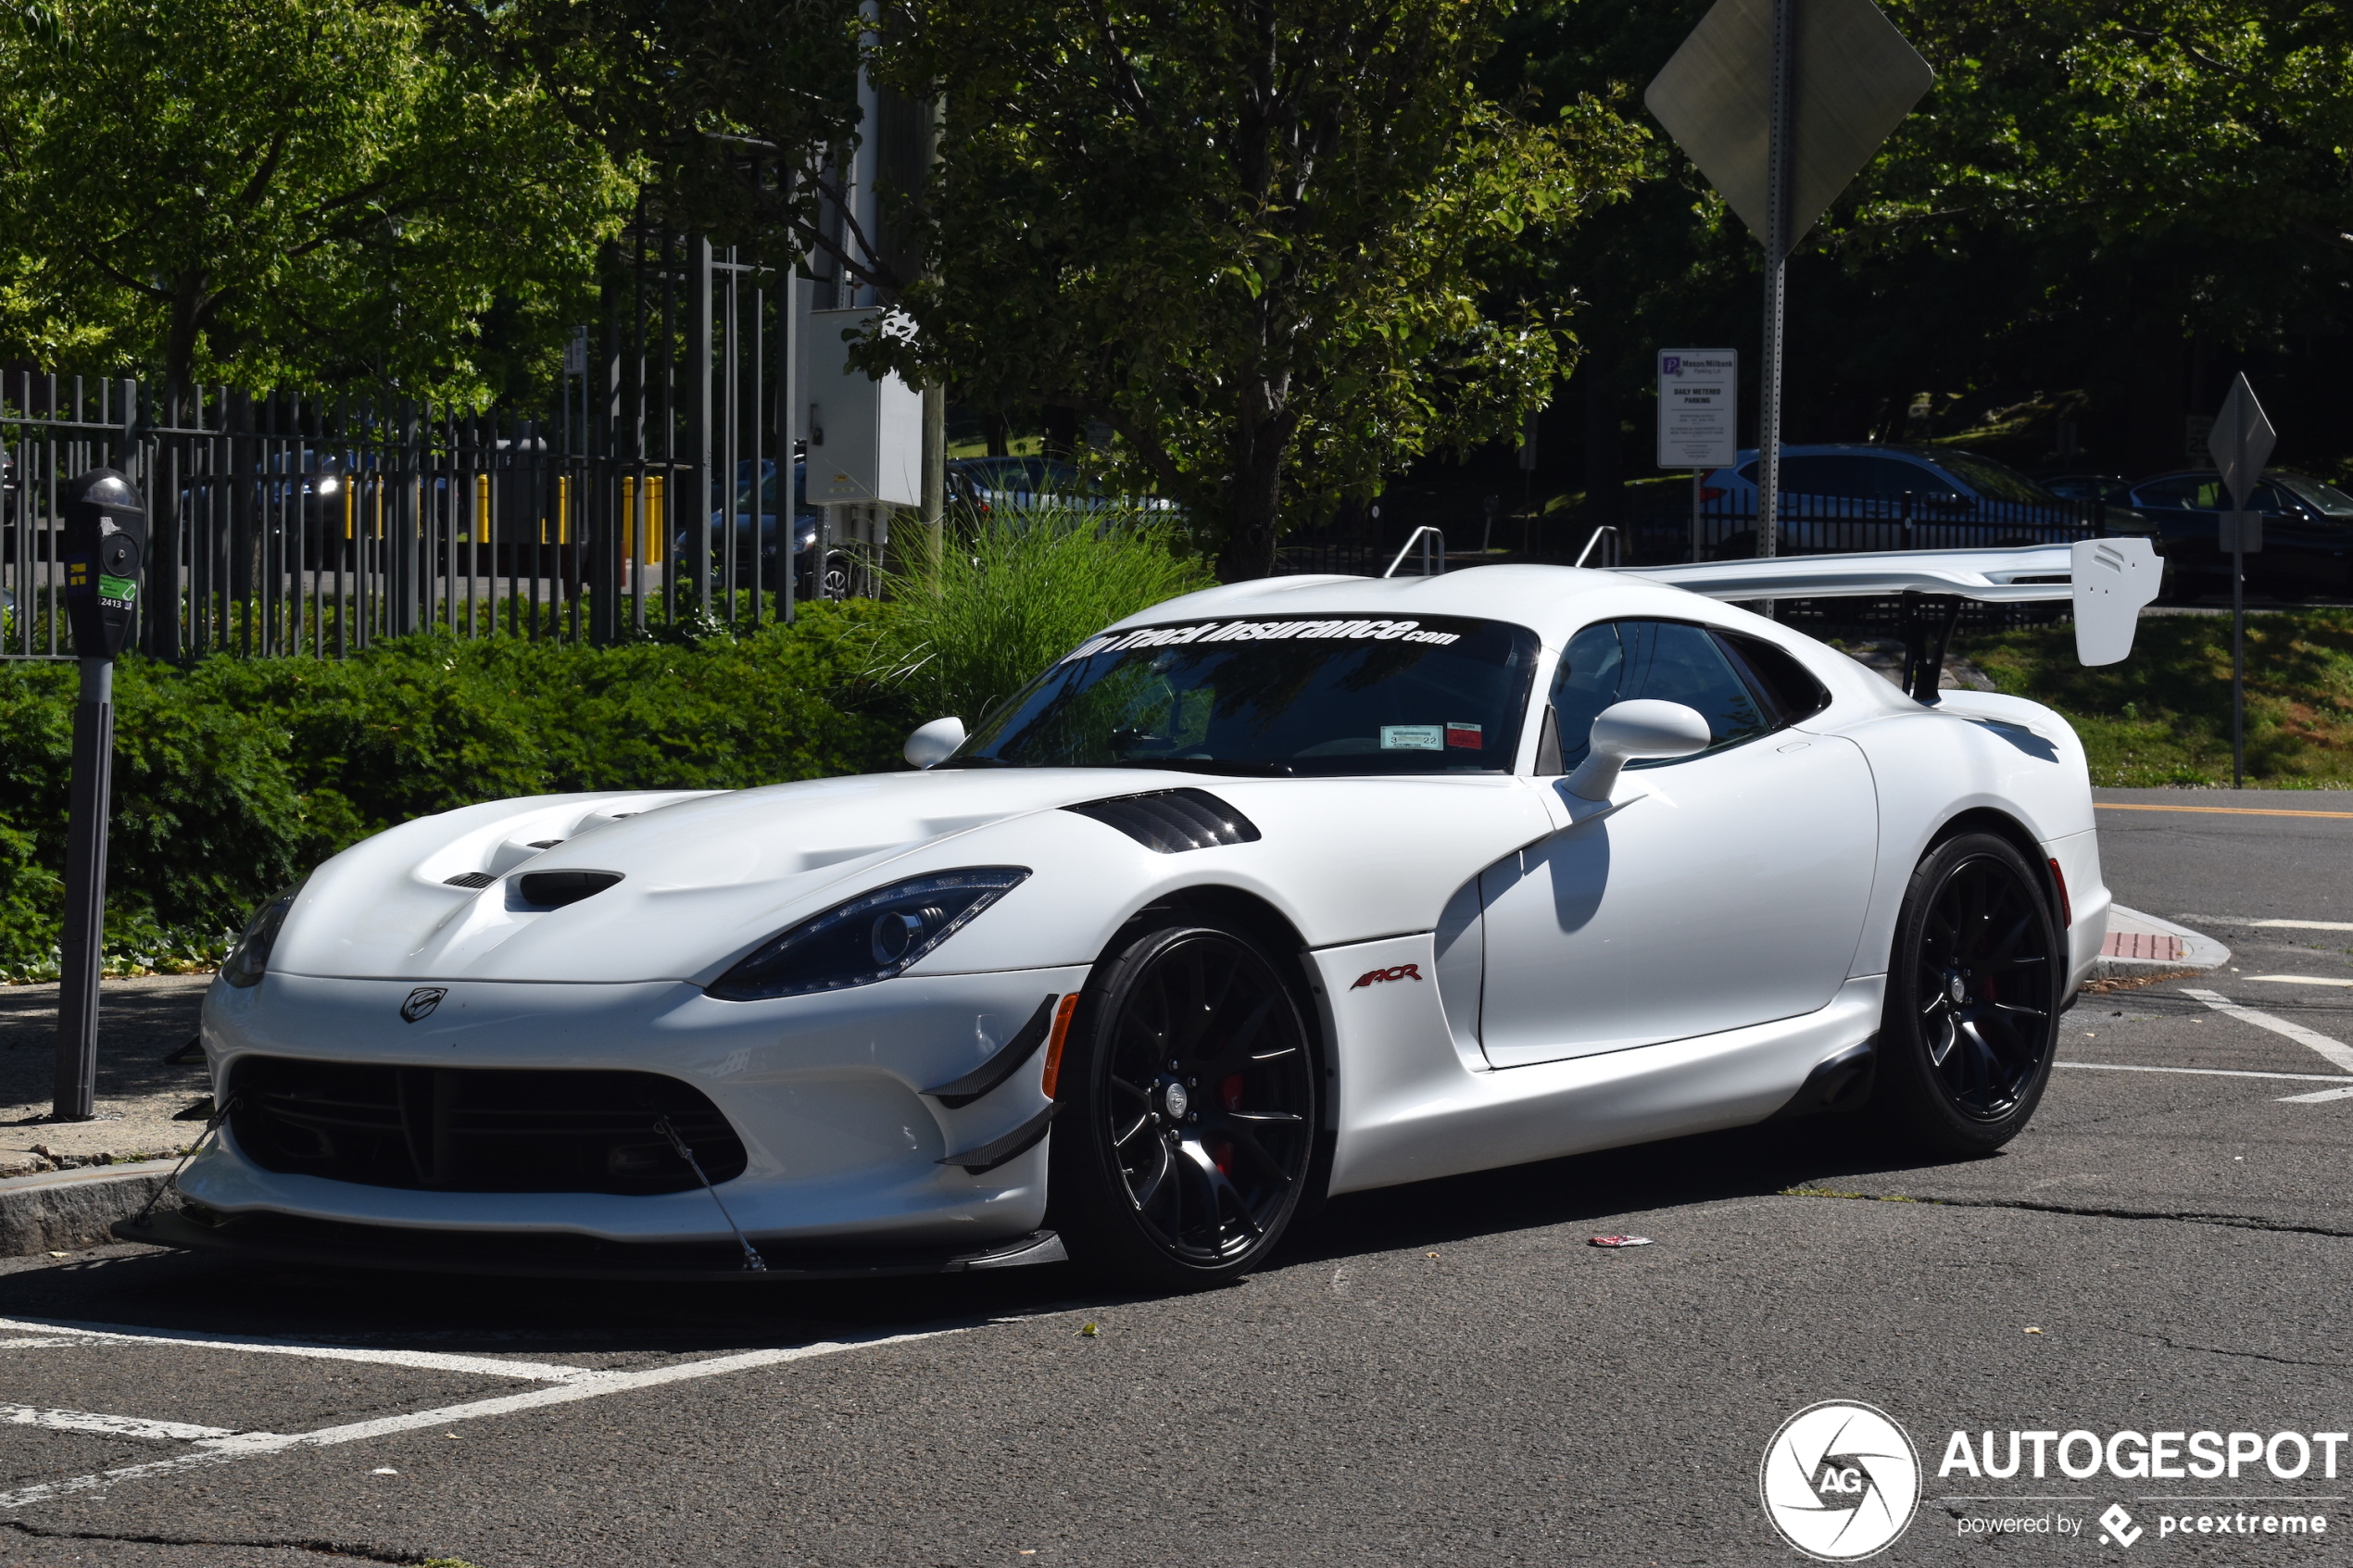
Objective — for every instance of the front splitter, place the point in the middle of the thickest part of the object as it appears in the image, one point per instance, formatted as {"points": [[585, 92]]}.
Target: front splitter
{"points": [[285, 1238]]}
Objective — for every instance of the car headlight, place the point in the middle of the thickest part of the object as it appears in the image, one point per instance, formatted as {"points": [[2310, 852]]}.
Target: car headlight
{"points": [[249, 959], [872, 937]]}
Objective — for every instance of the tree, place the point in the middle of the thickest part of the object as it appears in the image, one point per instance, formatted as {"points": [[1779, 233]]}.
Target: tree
{"points": [[1251, 237], [2117, 202], [731, 112], [281, 192]]}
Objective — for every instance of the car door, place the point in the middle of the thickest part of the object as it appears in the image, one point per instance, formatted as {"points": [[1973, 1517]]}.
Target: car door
{"points": [[1731, 893], [2303, 549]]}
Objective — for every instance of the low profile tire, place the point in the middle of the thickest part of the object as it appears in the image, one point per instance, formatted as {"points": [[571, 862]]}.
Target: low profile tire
{"points": [[1185, 1137], [1972, 999]]}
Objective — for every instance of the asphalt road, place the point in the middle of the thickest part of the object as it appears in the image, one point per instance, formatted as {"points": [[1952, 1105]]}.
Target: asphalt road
{"points": [[1439, 1373]]}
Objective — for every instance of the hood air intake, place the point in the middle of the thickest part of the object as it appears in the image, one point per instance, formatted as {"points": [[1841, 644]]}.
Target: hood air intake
{"points": [[1169, 821], [553, 890]]}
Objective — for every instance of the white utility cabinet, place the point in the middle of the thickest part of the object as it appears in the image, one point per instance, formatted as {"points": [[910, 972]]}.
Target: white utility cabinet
{"points": [[865, 437]]}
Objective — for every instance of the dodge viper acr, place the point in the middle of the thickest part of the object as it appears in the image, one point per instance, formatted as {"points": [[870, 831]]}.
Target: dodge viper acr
{"points": [[1283, 889]]}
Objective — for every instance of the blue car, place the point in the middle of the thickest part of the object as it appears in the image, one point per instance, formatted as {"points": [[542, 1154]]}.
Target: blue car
{"points": [[1852, 496]]}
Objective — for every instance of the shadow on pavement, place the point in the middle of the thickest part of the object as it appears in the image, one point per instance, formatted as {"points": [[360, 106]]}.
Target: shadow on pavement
{"points": [[145, 1289]]}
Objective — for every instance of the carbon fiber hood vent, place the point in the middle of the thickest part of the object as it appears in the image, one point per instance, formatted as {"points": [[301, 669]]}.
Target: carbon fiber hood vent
{"points": [[1169, 821]]}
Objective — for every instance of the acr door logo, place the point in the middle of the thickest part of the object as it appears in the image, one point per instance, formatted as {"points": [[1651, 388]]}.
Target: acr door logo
{"points": [[421, 1001], [1402, 972]]}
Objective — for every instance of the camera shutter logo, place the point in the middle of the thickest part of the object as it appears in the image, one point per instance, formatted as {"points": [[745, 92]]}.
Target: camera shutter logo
{"points": [[421, 1001], [1840, 1481]]}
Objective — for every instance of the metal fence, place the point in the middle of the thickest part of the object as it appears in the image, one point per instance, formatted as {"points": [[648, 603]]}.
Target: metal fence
{"points": [[647, 492]]}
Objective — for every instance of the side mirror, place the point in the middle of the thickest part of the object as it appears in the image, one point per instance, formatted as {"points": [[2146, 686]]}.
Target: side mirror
{"points": [[932, 743], [1625, 731]]}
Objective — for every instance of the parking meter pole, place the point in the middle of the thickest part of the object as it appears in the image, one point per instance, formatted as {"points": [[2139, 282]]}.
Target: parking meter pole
{"points": [[2238, 653], [103, 548], [85, 914]]}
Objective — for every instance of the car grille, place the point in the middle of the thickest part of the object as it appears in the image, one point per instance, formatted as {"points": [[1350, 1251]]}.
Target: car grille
{"points": [[469, 1129]]}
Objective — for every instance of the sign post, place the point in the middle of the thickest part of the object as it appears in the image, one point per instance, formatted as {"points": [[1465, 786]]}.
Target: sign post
{"points": [[2241, 440], [1698, 416], [1780, 144], [103, 551]]}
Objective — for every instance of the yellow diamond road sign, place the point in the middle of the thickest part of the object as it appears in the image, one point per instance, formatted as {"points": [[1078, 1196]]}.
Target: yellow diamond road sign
{"points": [[1855, 79]]}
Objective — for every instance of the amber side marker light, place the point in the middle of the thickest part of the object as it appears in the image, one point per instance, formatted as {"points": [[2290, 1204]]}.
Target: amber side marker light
{"points": [[1054, 1042]]}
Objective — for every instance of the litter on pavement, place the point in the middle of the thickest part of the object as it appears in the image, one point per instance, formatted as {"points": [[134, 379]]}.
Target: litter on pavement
{"points": [[1619, 1241]]}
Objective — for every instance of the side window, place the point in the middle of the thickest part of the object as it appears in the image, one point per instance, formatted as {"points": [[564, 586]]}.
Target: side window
{"points": [[1892, 476], [1848, 477], [1786, 686], [1667, 660]]}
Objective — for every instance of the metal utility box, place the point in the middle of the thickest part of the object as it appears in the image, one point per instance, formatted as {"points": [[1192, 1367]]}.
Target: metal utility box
{"points": [[865, 437]]}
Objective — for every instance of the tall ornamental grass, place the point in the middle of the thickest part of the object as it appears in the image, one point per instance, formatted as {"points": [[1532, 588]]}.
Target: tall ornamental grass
{"points": [[1018, 589]]}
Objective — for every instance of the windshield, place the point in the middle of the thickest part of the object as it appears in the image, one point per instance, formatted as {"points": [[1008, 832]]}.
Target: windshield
{"points": [[1442, 694], [2326, 498], [1996, 482]]}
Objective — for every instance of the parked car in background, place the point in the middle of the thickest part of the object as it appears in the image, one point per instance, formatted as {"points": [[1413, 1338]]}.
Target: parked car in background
{"points": [[2307, 533], [2082, 486], [1853, 496], [756, 523]]}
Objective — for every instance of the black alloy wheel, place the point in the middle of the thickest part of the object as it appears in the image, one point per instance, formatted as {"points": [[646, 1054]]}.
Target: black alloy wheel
{"points": [[1187, 1129], [1973, 995]]}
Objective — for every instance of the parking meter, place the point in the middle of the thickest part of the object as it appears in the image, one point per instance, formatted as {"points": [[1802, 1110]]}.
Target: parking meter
{"points": [[106, 550]]}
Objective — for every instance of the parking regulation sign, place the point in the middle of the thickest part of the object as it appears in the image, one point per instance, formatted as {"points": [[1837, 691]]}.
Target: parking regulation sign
{"points": [[1698, 407]]}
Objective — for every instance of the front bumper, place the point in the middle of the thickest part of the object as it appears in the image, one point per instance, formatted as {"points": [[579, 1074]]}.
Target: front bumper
{"points": [[843, 1147]]}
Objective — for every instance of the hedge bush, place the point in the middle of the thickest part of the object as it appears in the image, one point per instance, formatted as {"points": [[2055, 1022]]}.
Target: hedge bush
{"points": [[232, 777]]}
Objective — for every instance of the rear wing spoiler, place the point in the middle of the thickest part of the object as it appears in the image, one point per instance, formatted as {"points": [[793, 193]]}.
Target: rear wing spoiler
{"points": [[2107, 579]]}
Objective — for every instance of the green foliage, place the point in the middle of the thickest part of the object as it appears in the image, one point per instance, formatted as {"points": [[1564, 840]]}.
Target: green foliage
{"points": [[1016, 591], [2163, 716], [1254, 240], [293, 192], [234, 777], [680, 89]]}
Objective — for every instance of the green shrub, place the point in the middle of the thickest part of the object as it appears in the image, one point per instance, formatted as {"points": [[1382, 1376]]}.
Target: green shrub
{"points": [[1018, 589], [232, 777], [2163, 716]]}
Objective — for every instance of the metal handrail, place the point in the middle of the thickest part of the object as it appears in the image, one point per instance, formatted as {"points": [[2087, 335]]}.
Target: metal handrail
{"points": [[1411, 540], [1595, 538]]}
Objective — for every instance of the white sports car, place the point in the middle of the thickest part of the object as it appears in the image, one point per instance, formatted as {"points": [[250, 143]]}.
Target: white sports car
{"points": [[1287, 888]]}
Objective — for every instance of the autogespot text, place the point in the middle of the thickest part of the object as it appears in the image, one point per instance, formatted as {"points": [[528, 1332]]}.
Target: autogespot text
{"points": [[2144, 1455]]}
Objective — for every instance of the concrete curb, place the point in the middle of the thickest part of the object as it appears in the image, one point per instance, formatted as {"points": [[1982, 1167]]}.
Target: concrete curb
{"points": [[58, 1211], [2137, 948]]}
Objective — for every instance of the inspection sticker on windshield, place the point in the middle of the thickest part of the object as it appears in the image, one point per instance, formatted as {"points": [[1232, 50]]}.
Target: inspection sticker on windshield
{"points": [[1412, 737], [1463, 734]]}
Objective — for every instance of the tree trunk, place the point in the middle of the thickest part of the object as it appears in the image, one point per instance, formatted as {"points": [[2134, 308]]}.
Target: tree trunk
{"points": [[1255, 520]]}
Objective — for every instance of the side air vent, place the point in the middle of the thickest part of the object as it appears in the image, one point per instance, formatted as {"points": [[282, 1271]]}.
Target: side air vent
{"points": [[470, 879], [1169, 821], [544, 843], [553, 890]]}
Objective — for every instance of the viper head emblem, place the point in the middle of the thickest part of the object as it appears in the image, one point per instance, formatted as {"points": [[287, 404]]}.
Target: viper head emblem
{"points": [[421, 1001]]}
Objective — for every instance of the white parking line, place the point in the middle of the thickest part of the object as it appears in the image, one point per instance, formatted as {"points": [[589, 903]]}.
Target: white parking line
{"points": [[2203, 1072], [2315, 1099], [586, 1385], [2336, 1052], [2299, 980], [2273, 925], [434, 1361], [114, 1426]]}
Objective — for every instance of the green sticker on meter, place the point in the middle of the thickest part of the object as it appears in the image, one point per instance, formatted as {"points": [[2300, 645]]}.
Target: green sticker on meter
{"points": [[120, 588]]}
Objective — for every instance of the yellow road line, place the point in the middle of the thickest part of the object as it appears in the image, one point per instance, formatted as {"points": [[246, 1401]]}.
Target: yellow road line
{"points": [[2217, 810]]}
